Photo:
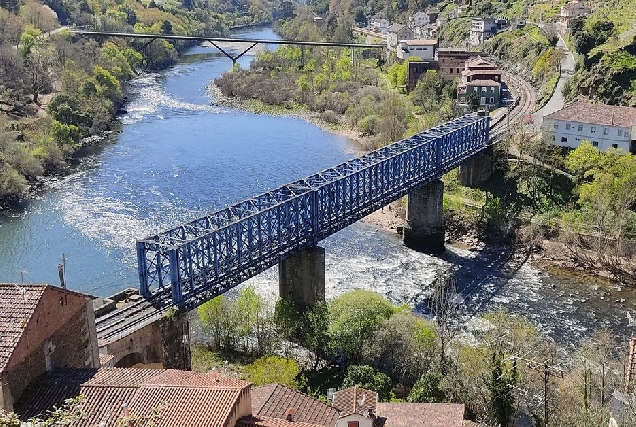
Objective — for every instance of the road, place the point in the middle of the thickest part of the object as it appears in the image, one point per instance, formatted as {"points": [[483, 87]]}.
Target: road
{"points": [[556, 101]]}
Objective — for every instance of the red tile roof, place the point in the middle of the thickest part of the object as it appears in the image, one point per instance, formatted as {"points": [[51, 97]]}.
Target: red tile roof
{"points": [[421, 414], [274, 400], [355, 400], [599, 114], [482, 83], [18, 303], [259, 421], [479, 63], [420, 42], [183, 398]]}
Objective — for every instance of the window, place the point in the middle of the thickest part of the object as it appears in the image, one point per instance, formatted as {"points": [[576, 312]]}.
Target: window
{"points": [[492, 100], [483, 89], [458, 70], [567, 126], [451, 71], [564, 139], [593, 130], [620, 132], [605, 131], [595, 143], [353, 424], [492, 89], [580, 128], [614, 145], [556, 125]]}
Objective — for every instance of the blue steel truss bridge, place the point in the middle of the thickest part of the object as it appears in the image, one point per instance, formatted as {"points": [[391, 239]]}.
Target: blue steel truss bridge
{"points": [[206, 257], [194, 262]]}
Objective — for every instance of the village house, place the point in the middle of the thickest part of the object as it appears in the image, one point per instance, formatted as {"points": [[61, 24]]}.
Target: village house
{"points": [[605, 126], [571, 11], [418, 19], [380, 25], [395, 33], [482, 29], [415, 70], [423, 49], [481, 78], [452, 61], [43, 327]]}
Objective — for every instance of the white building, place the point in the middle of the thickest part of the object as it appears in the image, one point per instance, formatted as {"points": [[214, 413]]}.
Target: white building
{"points": [[380, 25], [423, 49], [481, 29], [605, 126]]}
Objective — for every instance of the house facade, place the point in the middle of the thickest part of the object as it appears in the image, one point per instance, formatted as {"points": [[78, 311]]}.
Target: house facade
{"points": [[605, 126], [571, 11], [452, 61], [415, 70], [480, 79], [395, 33], [423, 49], [43, 327], [482, 29], [419, 19]]}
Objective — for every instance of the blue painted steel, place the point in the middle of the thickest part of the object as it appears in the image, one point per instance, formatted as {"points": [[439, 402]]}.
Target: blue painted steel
{"points": [[205, 257]]}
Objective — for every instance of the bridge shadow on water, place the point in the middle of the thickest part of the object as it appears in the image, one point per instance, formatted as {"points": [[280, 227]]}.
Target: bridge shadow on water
{"points": [[479, 276]]}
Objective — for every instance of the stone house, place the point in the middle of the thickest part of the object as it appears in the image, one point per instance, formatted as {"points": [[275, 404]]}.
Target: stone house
{"points": [[395, 33], [571, 11], [481, 78], [605, 126], [43, 327]]}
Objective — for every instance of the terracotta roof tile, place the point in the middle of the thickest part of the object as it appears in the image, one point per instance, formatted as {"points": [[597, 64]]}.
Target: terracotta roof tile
{"points": [[192, 399], [421, 414], [482, 83], [50, 390], [355, 400], [420, 42], [260, 421], [184, 406], [275, 399], [177, 378], [122, 377], [599, 114], [18, 303], [103, 404]]}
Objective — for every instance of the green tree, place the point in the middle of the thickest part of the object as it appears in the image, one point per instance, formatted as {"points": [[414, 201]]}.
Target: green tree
{"points": [[427, 389], [502, 383], [216, 319], [273, 369], [366, 377], [353, 318]]}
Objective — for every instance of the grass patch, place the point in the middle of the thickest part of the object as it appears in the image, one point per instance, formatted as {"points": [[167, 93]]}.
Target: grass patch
{"points": [[230, 364]]}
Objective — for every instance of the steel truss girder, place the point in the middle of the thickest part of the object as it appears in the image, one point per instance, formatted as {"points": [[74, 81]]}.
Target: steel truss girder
{"points": [[209, 255]]}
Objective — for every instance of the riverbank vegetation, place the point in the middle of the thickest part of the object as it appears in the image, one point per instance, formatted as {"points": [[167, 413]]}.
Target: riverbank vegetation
{"points": [[502, 368], [60, 92]]}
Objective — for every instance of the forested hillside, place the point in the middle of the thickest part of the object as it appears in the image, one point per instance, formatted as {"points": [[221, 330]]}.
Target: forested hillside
{"points": [[56, 89]]}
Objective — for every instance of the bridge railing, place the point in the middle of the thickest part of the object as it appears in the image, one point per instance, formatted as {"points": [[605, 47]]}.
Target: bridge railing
{"points": [[209, 255]]}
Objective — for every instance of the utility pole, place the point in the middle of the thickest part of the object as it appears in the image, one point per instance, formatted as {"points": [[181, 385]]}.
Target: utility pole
{"points": [[61, 271]]}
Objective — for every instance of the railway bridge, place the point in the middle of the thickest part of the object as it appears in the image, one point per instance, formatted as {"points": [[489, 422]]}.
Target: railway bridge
{"points": [[181, 268]]}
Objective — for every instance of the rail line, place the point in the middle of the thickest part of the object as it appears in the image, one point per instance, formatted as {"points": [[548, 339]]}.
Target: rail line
{"points": [[526, 101]]}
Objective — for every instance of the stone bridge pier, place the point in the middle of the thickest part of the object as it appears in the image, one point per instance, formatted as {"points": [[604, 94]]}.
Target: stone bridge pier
{"points": [[301, 277], [165, 342], [425, 219], [477, 169]]}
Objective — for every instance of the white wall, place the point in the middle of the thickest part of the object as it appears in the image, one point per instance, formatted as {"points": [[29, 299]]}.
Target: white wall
{"points": [[570, 134], [364, 421], [423, 52]]}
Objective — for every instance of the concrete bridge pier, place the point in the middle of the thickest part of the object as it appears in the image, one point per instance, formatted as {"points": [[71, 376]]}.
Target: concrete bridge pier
{"points": [[424, 215], [301, 277], [477, 169]]}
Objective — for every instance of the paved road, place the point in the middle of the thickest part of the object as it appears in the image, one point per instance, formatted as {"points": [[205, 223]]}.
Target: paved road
{"points": [[556, 102]]}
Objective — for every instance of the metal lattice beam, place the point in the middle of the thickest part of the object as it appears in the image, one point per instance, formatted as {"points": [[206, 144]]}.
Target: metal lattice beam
{"points": [[209, 255]]}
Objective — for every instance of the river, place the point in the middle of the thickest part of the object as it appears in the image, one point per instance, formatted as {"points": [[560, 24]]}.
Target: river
{"points": [[178, 156]]}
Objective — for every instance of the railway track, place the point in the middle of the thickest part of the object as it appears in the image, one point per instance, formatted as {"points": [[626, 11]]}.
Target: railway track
{"points": [[526, 99], [123, 321]]}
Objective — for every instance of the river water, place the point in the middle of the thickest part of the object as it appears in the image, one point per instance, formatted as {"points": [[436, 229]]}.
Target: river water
{"points": [[179, 156]]}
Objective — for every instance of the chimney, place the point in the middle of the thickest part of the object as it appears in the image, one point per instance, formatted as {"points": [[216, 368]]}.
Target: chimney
{"points": [[289, 414]]}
